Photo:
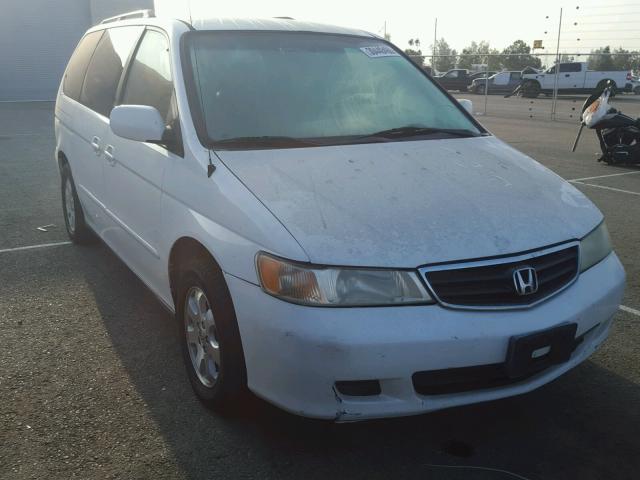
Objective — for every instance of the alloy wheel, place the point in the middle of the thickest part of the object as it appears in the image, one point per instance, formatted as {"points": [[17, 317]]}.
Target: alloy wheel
{"points": [[69, 206], [201, 337]]}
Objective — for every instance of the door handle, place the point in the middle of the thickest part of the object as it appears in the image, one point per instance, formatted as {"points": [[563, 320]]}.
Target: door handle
{"points": [[108, 153], [566, 75], [95, 144]]}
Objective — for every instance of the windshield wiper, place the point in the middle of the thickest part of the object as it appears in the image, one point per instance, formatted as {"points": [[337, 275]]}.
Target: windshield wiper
{"points": [[264, 141], [274, 141], [413, 131]]}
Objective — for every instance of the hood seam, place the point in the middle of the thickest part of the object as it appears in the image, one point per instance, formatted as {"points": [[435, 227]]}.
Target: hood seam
{"points": [[262, 203]]}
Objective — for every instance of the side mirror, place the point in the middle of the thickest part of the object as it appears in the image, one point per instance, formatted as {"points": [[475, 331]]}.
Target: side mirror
{"points": [[137, 122], [466, 104]]}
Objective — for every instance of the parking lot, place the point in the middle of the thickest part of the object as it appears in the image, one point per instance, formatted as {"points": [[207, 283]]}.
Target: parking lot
{"points": [[92, 383], [567, 109]]}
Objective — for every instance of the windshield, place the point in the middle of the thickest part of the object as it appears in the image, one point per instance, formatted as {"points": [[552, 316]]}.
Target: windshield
{"points": [[324, 88]]}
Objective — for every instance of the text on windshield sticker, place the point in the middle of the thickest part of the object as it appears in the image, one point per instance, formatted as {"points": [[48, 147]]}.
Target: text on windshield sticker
{"points": [[379, 51]]}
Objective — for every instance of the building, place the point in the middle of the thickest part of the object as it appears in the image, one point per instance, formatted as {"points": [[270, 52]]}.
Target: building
{"points": [[37, 38]]}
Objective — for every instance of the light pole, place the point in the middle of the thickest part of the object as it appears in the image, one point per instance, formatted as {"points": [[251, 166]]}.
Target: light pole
{"points": [[433, 51]]}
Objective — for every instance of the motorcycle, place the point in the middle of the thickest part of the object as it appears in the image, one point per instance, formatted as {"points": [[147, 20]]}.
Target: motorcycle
{"points": [[618, 134]]}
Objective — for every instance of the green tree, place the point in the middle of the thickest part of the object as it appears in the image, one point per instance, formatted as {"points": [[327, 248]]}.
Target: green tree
{"points": [[625, 60], [446, 57], [601, 59], [477, 53], [564, 58], [415, 54], [517, 56]]}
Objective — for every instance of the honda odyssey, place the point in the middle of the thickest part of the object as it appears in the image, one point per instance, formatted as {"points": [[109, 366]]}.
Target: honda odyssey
{"points": [[331, 229]]}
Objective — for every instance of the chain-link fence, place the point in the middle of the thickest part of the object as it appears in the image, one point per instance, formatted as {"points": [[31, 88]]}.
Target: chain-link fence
{"points": [[579, 50], [541, 90]]}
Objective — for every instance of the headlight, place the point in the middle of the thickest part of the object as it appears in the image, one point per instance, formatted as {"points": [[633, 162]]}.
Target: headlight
{"points": [[340, 287], [594, 247]]}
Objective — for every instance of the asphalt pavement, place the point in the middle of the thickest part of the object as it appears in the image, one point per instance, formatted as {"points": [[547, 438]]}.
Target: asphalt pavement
{"points": [[92, 383]]}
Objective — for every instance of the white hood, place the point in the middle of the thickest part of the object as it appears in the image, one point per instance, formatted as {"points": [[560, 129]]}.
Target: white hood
{"points": [[405, 204]]}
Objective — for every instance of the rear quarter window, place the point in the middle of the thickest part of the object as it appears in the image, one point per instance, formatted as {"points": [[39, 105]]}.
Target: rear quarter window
{"points": [[106, 66], [77, 67]]}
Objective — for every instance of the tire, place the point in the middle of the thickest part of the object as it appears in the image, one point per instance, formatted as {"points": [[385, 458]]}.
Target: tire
{"points": [[77, 228], [479, 89], [209, 336], [531, 89]]}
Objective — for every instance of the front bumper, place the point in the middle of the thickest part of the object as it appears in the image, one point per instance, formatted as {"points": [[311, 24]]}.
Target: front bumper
{"points": [[295, 354]]}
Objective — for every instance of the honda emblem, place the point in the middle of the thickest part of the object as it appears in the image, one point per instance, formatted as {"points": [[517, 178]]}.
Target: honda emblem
{"points": [[525, 280]]}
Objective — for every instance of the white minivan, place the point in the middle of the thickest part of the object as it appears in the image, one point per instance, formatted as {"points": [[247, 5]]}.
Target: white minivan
{"points": [[331, 229]]}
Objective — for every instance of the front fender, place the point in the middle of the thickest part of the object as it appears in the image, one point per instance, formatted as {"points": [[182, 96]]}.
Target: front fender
{"points": [[224, 216]]}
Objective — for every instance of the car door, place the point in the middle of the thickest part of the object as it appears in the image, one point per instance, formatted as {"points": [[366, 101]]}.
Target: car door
{"points": [[458, 80], [97, 96], [134, 170], [463, 80], [449, 80], [568, 76], [455, 82], [500, 82], [547, 80]]}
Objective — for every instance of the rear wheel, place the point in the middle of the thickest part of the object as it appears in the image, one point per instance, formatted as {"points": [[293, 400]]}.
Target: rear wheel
{"points": [[479, 89], [77, 229], [210, 337]]}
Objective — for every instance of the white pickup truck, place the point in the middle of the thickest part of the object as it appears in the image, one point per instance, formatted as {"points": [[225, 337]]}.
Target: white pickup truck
{"points": [[573, 77]]}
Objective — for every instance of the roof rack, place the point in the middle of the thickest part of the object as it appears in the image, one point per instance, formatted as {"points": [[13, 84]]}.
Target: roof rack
{"points": [[285, 18], [127, 16]]}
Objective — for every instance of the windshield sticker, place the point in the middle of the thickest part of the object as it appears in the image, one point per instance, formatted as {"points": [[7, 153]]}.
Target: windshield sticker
{"points": [[380, 51]]}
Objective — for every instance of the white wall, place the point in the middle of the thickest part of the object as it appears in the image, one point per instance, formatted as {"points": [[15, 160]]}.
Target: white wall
{"points": [[37, 38]]}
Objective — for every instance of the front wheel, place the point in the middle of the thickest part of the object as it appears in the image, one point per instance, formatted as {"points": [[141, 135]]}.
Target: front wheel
{"points": [[210, 337], [531, 90]]}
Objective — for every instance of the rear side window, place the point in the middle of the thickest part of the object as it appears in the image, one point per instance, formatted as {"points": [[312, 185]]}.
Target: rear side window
{"points": [[149, 79], [74, 75], [105, 68]]}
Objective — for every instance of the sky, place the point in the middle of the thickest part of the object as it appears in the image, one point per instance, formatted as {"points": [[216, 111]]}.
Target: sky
{"points": [[586, 24]]}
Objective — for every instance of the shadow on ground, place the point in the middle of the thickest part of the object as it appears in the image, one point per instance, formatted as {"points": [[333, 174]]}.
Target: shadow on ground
{"points": [[585, 425]]}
